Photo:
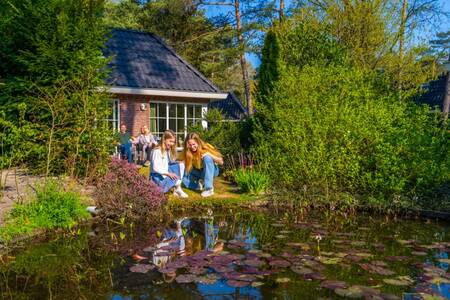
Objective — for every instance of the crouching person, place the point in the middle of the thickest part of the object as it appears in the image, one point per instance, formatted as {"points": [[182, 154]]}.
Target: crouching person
{"points": [[201, 162], [165, 171]]}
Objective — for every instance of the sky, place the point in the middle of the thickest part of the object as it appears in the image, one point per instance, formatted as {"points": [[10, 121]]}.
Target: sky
{"points": [[212, 11]]}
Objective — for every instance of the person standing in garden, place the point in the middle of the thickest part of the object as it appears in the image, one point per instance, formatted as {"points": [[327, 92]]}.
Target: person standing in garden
{"points": [[202, 162], [165, 171], [125, 143]]}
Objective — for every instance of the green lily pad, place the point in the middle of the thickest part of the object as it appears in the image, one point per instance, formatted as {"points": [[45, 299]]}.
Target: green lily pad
{"points": [[257, 284], [399, 281], [330, 260], [282, 280], [353, 292]]}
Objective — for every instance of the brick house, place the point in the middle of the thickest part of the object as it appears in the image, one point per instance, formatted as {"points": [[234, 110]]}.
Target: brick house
{"points": [[152, 85]]}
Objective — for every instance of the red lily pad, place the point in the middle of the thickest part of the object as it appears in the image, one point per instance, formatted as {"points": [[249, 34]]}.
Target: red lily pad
{"points": [[237, 283], [167, 270], [186, 278], [280, 263], [141, 268], [333, 284], [254, 262]]}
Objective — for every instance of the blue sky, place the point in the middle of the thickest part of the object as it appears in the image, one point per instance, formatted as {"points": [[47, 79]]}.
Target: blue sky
{"points": [[212, 11]]}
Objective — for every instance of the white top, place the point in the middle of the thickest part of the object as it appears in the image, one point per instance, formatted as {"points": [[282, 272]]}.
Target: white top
{"points": [[159, 162]]}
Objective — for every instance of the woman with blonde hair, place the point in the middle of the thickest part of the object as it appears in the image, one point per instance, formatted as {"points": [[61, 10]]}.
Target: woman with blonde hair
{"points": [[201, 162], [165, 171]]}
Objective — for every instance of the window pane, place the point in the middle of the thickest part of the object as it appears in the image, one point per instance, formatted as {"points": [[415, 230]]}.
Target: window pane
{"points": [[161, 125], [180, 111], [180, 125], [180, 139], [153, 127], [116, 110], [162, 110], [198, 111], [172, 110], [173, 124], [153, 110], [190, 111], [190, 122]]}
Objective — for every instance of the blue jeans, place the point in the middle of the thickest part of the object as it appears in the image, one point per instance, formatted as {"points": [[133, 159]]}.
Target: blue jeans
{"points": [[166, 182], [125, 149], [209, 171]]}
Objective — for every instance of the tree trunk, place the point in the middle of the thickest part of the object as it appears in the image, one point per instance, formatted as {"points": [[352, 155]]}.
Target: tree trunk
{"points": [[248, 97], [401, 41], [281, 10], [446, 102]]}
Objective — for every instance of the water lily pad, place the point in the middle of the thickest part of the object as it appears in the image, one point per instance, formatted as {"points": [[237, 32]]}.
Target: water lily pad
{"points": [[439, 280], [254, 251], [283, 280], [167, 271], [186, 278], [358, 243], [253, 262], [314, 276], [444, 260], [197, 270], [149, 249], [419, 253], [301, 270], [141, 268], [280, 263], [278, 225], [353, 292], [330, 260], [206, 279], [376, 269], [237, 283], [333, 284], [257, 284], [399, 281], [285, 231], [280, 236]]}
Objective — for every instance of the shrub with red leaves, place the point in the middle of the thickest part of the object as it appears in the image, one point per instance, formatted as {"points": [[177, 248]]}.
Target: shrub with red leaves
{"points": [[123, 192]]}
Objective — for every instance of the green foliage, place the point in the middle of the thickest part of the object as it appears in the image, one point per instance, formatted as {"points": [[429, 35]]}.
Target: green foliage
{"points": [[338, 128], [251, 181], [51, 62], [229, 137], [51, 207]]}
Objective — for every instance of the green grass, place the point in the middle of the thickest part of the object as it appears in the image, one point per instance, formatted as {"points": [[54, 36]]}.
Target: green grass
{"points": [[51, 207]]}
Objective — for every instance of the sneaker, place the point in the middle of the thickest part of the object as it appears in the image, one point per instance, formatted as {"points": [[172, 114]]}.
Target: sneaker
{"points": [[180, 193], [207, 193]]}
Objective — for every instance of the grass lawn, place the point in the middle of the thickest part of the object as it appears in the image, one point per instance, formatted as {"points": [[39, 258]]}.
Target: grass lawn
{"points": [[225, 194]]}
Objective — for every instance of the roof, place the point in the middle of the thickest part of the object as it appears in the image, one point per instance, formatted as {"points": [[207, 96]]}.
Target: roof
{"points": [[434, 92], [143, 60], [231, 107]]}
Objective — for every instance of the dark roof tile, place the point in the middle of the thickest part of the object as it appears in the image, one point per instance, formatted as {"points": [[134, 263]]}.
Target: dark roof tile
{"points": [[143, 60], [231, 107]]}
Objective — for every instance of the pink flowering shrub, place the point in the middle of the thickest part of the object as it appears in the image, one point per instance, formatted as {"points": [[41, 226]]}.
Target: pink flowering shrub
{"points": [[123, 192]]}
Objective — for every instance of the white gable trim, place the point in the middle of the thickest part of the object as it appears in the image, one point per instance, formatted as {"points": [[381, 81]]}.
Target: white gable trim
{"points": [[169, 93]]}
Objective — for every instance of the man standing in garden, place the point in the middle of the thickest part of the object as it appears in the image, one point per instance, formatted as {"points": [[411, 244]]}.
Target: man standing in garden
{"points": [[125, 143]]}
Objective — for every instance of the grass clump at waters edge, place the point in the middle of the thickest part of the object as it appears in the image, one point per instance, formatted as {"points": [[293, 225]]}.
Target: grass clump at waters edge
{"points": [[50, 207]]}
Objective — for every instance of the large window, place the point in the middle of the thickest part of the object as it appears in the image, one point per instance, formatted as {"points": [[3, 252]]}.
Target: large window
{"points": [[114, 116], [174, 116]]}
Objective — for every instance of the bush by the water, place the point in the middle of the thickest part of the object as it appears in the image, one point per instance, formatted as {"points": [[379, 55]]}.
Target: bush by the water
{"points": [[251, 181], [327, 125], [123, 193], [51, 207]]}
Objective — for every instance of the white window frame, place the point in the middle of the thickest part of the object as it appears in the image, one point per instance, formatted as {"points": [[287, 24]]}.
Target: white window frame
{"points": [[115, 106], [185, 104]]}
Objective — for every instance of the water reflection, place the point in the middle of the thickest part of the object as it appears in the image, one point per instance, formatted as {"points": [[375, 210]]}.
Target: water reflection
{"points": [[240, 255]]}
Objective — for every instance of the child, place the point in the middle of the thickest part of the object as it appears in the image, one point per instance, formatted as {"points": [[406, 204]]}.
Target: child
{"points": [[201, 161], [165, 171]]}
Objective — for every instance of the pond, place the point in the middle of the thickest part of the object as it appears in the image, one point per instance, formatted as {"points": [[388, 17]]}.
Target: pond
{"points": [[238, 254]]}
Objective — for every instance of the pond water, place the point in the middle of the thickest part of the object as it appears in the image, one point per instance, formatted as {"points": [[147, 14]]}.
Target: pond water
{"points": [[238, 255]]}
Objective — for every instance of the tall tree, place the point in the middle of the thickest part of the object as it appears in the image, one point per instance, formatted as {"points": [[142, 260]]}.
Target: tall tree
{"points": [[50, 53]]}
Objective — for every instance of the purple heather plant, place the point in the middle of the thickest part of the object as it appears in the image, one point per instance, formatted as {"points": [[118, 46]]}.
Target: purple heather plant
{"points": [[124, 193]]}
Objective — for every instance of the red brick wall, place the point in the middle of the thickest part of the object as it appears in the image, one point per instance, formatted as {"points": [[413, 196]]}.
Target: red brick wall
{"points": [[132, 115]]}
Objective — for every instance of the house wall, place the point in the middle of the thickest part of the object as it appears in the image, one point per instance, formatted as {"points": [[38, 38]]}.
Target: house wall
{"points": [[132, 115]]}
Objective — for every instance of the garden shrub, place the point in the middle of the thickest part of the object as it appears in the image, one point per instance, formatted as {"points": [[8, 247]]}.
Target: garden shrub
{"points": [[123, 193], [327, 125], [251, 181], [51, 207]]}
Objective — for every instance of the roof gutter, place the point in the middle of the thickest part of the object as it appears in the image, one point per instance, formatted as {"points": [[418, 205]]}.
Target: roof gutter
{"points": [[170, 93]]}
